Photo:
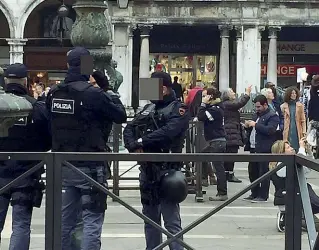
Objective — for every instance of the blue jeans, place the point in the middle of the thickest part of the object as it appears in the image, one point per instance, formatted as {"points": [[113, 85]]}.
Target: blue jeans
{"points": [[72, 202], [21, 221]]}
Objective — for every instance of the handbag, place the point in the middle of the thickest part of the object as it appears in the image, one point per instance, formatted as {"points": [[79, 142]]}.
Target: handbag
{"points": [[243, 134]]}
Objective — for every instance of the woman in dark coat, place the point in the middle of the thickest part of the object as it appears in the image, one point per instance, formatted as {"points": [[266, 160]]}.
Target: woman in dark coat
{"points": [[233, 127]]}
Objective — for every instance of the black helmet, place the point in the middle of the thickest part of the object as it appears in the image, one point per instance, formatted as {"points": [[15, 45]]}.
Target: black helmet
{"points": [[174, 186]]}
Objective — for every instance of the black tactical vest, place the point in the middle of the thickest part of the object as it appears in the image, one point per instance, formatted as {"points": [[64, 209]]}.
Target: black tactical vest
{"points": [[151, 119], [74, 126], [22, 135]]}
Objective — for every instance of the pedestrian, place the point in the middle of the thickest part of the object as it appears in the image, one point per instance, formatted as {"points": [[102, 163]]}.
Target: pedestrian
{"points": [[262, 135], [275, 106], [294, 117], [177, 89], [160, 128], [313, 113], [211, 112], [235, 133], [29, 134], [278, 97], [279, 181], [192, 92], [78, 113]]}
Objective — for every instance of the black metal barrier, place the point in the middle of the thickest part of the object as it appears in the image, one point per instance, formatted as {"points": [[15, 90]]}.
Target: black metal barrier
{"points": [[297, 196], [194, 143]]}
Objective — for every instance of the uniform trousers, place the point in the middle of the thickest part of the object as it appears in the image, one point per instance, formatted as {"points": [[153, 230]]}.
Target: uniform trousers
{"points": [[72, 202], [21, 216], [21, 222], [172, 222], [171, 217]]}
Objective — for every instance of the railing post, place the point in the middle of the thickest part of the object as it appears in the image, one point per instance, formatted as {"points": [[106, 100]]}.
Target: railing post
{"points": [[49, 202], [188, 138], [57, 196], [293, 209], [199, 171], [117, 131], [306, 204]]}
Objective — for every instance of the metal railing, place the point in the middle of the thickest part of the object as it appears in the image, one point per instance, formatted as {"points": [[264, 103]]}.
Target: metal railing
{"points": [[194, 142], [297, 196]]}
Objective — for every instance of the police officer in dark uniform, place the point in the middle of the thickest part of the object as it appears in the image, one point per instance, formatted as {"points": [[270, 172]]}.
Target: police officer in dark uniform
{"points": [[29, 134], [158, 128], [78, 112]]}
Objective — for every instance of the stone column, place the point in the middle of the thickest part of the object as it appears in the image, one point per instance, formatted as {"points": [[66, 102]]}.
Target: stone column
{"points": [[130, 64], [251, 58], [224, 58], [239, 60], [90, 30], [144, 71], [16, 49], [120, 51], [272, 55]]}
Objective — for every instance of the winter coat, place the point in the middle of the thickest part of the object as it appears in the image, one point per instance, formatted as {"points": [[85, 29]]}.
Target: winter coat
{"points": [[232, 120], [300, 120]]}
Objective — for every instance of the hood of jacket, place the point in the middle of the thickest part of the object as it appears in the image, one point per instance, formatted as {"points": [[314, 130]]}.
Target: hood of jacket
{"points": [[74, 75]]}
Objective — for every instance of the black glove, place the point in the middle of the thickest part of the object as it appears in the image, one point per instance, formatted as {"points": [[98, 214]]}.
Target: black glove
{"points": [[132, 146]]}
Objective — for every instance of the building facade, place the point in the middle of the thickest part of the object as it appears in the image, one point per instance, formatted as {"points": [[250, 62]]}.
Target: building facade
{"points": [[233, 43]]}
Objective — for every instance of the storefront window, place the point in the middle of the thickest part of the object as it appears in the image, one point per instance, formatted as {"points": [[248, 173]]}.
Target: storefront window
{"points": [[159, 59], [189, 69], [185, 78], [206, 70], [182, 62], [46, 78]]}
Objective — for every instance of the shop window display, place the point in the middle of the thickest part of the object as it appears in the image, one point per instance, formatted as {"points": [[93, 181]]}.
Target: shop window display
{"points": [[189, 69]]}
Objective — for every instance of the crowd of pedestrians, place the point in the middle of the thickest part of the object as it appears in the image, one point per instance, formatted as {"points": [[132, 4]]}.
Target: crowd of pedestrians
{"points": [[278, 125]]}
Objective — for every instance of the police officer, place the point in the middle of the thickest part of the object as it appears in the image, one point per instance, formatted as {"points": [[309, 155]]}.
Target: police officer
{"points": [[28, 134], [78, 113], [157, 129]]}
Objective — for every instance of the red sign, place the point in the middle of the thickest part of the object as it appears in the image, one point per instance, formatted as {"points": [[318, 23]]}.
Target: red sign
{"points": [[290, 70]]}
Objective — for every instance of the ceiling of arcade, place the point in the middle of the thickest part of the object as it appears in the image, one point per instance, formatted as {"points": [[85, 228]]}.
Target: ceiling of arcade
{"points": [[4, 26]]}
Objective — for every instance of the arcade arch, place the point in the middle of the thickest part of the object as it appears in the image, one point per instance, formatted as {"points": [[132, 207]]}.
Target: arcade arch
{"points": [[48, 39]]}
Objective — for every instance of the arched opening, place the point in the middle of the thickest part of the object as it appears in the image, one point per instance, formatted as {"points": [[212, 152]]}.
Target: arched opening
{"points": [[4, 47], [48, 34]]}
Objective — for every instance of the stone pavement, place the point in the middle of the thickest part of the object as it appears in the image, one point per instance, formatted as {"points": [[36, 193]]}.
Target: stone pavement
{"points": [[241, 226]]}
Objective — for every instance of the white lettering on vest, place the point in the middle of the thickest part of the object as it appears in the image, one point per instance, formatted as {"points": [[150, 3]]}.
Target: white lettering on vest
{"points": [[63, 106]]}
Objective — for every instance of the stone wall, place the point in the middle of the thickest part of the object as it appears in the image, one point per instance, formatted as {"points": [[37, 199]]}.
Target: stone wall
{"points": [[266, 12], [232, 12]]}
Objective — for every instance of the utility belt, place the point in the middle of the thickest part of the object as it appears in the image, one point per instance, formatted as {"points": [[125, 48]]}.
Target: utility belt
{"points": [[150, 182], [94, 199], [30, 196]]}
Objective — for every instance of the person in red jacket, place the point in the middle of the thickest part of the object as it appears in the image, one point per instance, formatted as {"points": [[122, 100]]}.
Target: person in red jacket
{"points": [[192, 92]]}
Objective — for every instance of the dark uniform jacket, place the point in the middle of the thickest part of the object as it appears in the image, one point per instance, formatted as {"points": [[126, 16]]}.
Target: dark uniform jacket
{"points": [[33, 136], [232, 121], [172, 124], [265, 131], [78, 114]]}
